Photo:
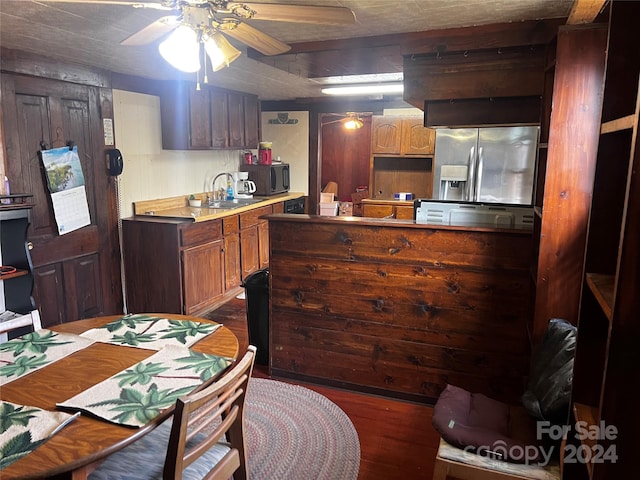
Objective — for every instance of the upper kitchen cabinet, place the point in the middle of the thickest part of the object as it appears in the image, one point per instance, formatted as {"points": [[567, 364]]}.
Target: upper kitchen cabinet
{"points": [[207, 119], [401, 136]]}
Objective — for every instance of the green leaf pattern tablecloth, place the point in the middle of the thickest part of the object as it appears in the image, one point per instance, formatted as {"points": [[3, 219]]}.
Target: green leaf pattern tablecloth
{"points": [[153, 333], [24, 428], [32, 351], [136, 395]]}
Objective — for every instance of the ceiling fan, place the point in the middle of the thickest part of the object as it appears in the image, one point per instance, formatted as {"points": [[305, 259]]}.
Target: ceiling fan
{"points": [[349, 120], [195, 22]]}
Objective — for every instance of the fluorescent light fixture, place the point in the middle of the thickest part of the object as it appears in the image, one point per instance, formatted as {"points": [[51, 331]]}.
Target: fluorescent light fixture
{"points": [[359, 79], [181, 49], [381, 88]]}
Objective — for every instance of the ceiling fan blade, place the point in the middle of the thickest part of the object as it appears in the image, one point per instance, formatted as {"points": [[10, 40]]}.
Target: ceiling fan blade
{"points": [[265, 44], [301, 13], [152, 31], [141, 4]]}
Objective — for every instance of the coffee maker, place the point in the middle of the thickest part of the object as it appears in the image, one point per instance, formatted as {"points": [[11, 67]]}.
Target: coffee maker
{"points": [[242, 186]]}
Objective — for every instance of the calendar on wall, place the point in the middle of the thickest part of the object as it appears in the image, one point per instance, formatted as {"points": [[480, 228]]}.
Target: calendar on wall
{"points": [[66, 184]]}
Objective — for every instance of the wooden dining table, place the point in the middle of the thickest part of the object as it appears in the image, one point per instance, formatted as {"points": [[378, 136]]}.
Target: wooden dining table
{"points": [[74, 451]]}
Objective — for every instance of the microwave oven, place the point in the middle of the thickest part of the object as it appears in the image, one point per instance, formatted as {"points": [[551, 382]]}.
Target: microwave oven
{"points": [[269, 179]]}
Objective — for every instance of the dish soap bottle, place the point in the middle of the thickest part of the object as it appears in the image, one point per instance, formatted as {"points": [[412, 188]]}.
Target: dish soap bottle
{"points": [[229, 191]]}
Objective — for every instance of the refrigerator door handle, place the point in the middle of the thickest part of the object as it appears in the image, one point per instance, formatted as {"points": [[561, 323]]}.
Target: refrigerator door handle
{"points": [[478, 182], [471, 190]]}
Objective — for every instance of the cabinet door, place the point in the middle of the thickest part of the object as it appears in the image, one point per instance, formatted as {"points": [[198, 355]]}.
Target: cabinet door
{"points": [[236, 120], [199, 119], [263, 244], [219, 119], [251, 121], [386, 135], [231, 261], [202, 275], [249, 250], [416, 138]]}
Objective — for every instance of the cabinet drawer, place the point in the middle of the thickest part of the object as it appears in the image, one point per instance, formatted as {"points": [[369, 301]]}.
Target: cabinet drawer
{"points": [[203, 232], [252, 217], [230, 225], [404, 213], [378, 211]]}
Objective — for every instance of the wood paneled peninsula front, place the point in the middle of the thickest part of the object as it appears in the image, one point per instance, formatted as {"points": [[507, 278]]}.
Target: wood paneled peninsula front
{"points": [[181, 259], [396, 308]]}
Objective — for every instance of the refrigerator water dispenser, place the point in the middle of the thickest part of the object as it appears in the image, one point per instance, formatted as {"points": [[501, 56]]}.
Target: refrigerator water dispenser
{"points": [[453, 182]]}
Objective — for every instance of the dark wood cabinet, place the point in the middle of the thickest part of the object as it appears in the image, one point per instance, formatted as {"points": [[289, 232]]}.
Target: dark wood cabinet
{"points": [[172, 266], [254, 240], [607, 353], [207, 119], [566, 169]]}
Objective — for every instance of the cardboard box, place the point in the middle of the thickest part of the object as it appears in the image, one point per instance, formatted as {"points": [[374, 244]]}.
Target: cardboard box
{"points": [[356, 198], [329, 209], [327, 197], [346, 208]]}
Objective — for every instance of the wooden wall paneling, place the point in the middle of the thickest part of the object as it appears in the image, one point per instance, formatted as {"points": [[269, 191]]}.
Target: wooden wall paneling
{"points": [[569, 173], [345, 156], [406, 309]]}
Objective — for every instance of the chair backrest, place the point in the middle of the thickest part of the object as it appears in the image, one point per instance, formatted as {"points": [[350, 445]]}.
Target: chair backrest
{"points": [[30, 319], [223, 400]]}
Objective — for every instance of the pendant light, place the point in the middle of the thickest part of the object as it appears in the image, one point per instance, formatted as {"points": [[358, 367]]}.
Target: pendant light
{"points": [[353, 122]]}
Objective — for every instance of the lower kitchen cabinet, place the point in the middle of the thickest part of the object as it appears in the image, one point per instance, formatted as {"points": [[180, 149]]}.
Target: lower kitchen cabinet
{"points": [[172, 266], [254, 240]]}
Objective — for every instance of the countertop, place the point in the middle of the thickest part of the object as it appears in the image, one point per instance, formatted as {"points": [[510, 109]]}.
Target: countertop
{"points": [[178, 207]]}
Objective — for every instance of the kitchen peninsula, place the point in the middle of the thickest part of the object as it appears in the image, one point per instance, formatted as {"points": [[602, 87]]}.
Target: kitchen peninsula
{"points": [[397, 308], [182, 259]]}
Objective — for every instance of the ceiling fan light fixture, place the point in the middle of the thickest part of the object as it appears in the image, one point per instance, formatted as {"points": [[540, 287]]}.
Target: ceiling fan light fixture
{"points": [[220, 51], [181, 49], [354, 122]]}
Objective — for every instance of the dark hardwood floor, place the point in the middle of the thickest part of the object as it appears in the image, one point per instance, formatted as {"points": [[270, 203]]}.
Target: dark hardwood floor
{"points": [[397, 440]]}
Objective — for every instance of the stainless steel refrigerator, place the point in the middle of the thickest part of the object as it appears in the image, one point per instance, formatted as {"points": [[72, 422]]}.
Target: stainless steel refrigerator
{"points": [[488, 165]]}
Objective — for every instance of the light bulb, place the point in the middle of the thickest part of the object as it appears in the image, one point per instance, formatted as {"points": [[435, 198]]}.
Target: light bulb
{"points": [[353, 124], [181, 49]]}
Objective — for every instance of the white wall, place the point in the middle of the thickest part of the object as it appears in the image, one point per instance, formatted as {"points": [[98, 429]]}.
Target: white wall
{"points": [[151, 172], [289, 132]]}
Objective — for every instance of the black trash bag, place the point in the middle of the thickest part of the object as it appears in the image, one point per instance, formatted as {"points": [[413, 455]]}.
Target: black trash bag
{"points": [[549, 391]]}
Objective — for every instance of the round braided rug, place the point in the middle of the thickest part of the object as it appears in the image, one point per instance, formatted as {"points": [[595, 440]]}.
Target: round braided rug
{"points": [[295, 433]]}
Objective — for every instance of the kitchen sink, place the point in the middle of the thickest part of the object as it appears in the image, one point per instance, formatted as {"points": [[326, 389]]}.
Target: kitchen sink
{"points": [[235, 203]]}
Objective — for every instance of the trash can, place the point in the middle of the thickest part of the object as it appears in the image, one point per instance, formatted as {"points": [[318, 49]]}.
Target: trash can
{"points": [[256, 288]]}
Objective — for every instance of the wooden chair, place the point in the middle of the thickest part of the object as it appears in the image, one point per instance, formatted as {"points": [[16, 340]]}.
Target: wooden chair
{"points": [[30, 319], [190, 453]]}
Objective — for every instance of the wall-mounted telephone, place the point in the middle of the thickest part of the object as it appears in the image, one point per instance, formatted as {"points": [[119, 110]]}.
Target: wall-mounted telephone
{"points": [[115, 164]]}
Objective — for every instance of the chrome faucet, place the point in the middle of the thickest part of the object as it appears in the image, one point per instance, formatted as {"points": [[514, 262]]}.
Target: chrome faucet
{"points": [[213, 186]]}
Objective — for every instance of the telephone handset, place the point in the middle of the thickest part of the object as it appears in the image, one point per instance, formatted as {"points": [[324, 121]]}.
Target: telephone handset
{"points": [[115, 163]]}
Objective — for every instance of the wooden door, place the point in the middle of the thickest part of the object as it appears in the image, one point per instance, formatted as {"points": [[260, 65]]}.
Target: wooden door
{"points": [[77, 275], [200, 127], [386, 135], [345, 156], [231, 261], [219, 119], [203, 278], [249, 253], [416, 138], [236, 120]]}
